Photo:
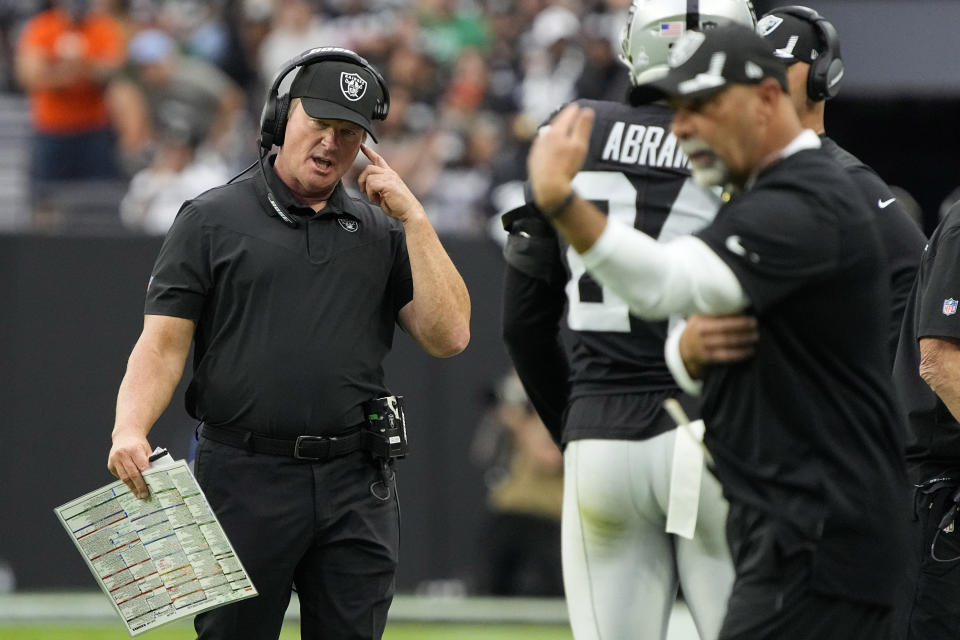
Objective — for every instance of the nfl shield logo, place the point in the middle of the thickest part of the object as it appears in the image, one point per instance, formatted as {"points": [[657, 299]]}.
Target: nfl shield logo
{"points": [[352, 86], [949, 307]]}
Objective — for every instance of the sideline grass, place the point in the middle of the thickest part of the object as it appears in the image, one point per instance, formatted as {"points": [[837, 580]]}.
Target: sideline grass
{"points": [[395, 631]]}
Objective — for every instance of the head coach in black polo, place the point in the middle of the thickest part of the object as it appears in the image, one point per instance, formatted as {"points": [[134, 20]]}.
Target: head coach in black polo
{"points": [[289, 289], [805, 434]]}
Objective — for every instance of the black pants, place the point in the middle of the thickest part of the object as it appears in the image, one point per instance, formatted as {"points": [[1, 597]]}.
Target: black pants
{"points": [[313, 524], [931, 602], [771, 597]]}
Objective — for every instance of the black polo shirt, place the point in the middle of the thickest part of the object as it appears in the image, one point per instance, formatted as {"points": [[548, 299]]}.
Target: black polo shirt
{"points": [[933, 434], [292, 323], [806, 432]]}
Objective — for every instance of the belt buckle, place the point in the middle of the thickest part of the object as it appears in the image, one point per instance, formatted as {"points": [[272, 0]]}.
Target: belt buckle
{"points": [[317, 439]]}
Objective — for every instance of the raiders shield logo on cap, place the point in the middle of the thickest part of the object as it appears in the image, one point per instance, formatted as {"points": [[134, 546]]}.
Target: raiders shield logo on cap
{"points": [[352, 86]]}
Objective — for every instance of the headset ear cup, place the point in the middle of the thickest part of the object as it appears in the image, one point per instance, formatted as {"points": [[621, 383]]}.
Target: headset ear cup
{"points": [[834, 78], [268, 121], [382, 107], [280, 126], [823, 81]]}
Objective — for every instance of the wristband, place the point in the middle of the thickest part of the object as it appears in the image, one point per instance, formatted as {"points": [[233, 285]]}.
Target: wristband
{"points": [[560, 207]]}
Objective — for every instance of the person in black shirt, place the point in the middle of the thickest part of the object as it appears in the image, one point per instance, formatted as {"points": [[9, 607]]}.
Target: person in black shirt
{"points": [[289, 289], [927, 377], [625, 547], [804, 436], [810, 46]]}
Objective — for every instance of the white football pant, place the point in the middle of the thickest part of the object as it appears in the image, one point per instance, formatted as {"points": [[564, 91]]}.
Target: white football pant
{"points": [[621, 569]]}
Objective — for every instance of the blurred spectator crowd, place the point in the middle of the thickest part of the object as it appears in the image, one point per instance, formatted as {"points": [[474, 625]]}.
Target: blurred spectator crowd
{"points": [[176, 88]]}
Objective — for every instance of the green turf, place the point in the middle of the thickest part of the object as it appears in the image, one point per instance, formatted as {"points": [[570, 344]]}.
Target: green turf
{"points": [[476, 632], [396, 631]]}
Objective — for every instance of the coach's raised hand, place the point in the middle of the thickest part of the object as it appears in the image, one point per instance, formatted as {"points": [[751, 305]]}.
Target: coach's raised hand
{"points": [[555, 158], [384, 188], [557, 155]]}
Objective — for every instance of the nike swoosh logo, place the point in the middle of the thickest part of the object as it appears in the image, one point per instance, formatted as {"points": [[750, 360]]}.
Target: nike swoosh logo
{"points": [[735, 245], [883, 204]]}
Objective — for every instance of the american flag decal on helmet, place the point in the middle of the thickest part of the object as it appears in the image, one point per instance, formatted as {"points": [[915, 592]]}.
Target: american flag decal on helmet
{"points": [[669, 29]]}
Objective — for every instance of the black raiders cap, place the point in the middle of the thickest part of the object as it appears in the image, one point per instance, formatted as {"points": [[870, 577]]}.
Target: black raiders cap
{"points": [[339, 91], [793, 38], [704, 63]]}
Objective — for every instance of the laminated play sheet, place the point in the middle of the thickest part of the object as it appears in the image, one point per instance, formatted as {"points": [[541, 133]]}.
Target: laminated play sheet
{"points": [[160, 559]]}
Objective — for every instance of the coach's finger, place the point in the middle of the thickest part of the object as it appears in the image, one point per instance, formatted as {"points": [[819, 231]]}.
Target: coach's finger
{"points": [[374, 157], [132, 476]]}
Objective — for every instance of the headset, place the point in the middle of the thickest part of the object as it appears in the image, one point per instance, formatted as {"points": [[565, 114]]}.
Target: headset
{"points": [[826, 72], [273, 118]]}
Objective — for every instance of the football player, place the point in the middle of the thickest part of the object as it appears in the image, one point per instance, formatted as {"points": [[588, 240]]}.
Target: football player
{"points": [[604, 404]]}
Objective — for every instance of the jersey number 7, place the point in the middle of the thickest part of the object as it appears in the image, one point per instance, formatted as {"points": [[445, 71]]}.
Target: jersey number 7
{"points": [[691, 208]]}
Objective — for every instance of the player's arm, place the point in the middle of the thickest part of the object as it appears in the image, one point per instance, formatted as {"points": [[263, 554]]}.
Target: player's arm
{"points": [[153, 372], [438, 317], [533, 302], [655, 279], [940, 369]]}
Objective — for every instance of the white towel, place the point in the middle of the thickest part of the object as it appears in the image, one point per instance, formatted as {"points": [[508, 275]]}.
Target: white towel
{"points": [[685, 478]]}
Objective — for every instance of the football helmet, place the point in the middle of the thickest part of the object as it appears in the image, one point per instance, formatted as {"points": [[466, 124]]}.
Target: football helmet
{"points": [[654, 25]]}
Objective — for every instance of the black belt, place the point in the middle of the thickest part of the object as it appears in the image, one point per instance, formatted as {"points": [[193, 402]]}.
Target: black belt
{"points": [[314, 448]]}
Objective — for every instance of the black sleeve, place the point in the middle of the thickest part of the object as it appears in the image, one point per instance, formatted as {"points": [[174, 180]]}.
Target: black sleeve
{"points": [[531, 332], [181, 277], [937, 302], [903, 242], [401, 278], [533, 303]]}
